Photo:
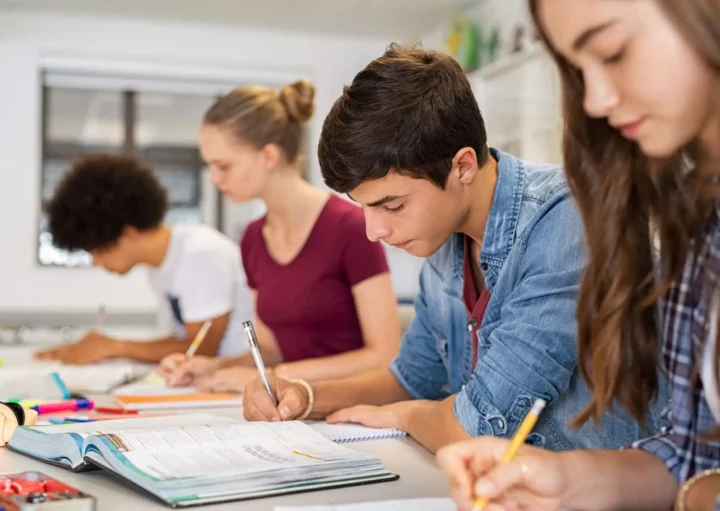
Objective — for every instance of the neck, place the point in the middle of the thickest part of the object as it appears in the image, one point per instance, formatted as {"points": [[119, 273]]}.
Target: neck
{"points": [[479, 200], [153, 246], [291, 200]]}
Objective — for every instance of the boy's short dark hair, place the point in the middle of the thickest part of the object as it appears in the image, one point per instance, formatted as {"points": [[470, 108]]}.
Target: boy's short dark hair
{"points": [[409, 111], [101, 195]]}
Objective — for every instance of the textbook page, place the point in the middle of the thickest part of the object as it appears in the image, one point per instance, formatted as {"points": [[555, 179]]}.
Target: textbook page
{"points": [[442, 504], [219, 450], [135, 423], [152, 389]]}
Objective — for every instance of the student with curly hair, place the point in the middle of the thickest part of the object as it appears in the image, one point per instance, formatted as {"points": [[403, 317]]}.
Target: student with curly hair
{"points": [[113, 207]]}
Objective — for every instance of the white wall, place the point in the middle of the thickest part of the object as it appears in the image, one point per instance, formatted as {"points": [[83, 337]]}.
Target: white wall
{"points": [[27, 39]]}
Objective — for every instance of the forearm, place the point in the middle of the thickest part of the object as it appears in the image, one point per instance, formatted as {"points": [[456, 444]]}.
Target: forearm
{"points": [[629, 479], [433, 424], [377, 388], [245, 360], [150, 351], [338, 366], [702, 495]]}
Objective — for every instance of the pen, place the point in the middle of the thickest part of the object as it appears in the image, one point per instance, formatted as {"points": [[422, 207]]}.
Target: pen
{"points": [[255, 349], [100, 320], [517, 441], [115, 410], [61, 385], [198, 339]]}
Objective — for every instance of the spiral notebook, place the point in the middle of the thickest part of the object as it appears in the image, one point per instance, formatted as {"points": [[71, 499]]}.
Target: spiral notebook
{"points": [[341, 433]]}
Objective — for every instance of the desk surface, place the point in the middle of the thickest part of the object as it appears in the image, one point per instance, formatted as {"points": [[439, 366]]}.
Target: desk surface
{"points": [[419, 478]]}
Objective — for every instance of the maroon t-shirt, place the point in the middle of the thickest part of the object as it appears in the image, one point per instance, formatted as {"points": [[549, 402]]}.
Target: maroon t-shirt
{"points": [[308, 303], [476, 301]]}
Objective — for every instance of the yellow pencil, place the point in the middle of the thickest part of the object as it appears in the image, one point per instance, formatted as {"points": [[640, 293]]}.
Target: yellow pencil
{"points": [[517, 441], [198, 339]]}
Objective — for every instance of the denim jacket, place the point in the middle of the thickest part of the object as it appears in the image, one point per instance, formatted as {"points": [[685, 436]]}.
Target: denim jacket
{"points": [[532, 260]]}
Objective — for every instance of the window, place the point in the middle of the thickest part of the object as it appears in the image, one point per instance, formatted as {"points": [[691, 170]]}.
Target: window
{"points": [[83, 114]]}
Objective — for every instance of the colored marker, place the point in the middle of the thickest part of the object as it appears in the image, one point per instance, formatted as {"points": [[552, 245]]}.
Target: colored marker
{"points": [[61, 385], [69, 420], [25, 403], [65, 406]]}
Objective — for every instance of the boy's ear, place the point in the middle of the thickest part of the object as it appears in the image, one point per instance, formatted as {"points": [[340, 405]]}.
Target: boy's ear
{"points": [[130, 232], [465, 160]]}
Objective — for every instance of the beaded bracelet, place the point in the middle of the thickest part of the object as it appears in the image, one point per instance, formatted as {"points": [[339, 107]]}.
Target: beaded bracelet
{"points": [[681, 506], [311, 398]]}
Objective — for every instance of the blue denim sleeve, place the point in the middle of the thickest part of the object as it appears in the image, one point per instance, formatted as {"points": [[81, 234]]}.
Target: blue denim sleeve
{"points": [[533, 352], [418, 366]]}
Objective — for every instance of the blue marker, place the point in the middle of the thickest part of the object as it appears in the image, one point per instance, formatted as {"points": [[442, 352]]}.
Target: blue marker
{"points": [[61, 385], [69, 420]]}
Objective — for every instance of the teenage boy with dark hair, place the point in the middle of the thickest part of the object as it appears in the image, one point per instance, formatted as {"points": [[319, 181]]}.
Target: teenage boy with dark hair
{"points": [[113, 207], [495, 321]]}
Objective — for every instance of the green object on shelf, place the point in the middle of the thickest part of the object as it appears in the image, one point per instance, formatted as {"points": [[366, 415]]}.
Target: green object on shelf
{"points": [[492, 48], [463, 42]]}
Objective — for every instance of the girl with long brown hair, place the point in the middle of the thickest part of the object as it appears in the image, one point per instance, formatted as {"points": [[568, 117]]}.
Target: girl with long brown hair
{"points": [[641, 100]]}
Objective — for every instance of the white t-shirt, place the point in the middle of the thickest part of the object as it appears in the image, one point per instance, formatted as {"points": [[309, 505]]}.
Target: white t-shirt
{"points": [[201, 278]]}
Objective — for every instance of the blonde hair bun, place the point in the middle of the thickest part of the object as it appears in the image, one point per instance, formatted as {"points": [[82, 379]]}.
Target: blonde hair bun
{"points": [[298, 98]]}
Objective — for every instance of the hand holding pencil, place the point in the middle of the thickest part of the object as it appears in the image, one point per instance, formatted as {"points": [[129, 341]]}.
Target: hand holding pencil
{"points": [[490, 473], [181, 369]]}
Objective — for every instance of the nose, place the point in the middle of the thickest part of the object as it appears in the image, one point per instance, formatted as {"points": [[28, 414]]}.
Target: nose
{"points": [[215, 175], [376, 228], [600, 94]]}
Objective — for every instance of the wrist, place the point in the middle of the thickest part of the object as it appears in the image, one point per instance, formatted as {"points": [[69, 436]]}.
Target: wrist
{"points": [[417, 412], [118, 348], [574, 493], [280, 371], [700, 492], [310, 398]]}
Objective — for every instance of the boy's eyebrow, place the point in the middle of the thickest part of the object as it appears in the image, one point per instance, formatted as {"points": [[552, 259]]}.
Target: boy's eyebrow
{"points": [[385, 200]]}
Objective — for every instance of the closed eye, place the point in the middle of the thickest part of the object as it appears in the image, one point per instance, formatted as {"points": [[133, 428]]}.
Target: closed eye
{"points": [[396, 209], [615, 58]]}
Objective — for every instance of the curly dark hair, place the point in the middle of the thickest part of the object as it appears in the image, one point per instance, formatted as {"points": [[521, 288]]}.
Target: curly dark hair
{"points": [[99, 196]]}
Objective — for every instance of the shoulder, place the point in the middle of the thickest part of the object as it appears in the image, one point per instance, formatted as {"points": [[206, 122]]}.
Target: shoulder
{"points": [[252, 235], [547, 206], [545, 183], [346, 218], [202, 242]]}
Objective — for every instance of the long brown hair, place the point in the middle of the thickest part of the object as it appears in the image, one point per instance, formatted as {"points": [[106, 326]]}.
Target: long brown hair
{"points": [[620, 194]]}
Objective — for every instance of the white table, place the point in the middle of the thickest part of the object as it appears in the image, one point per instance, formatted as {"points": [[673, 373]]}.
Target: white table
{"points": [[419, 478]]}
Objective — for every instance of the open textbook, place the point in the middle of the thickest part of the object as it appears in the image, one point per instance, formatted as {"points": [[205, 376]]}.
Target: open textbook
{"points": [[187, 460], [385, 505]]}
